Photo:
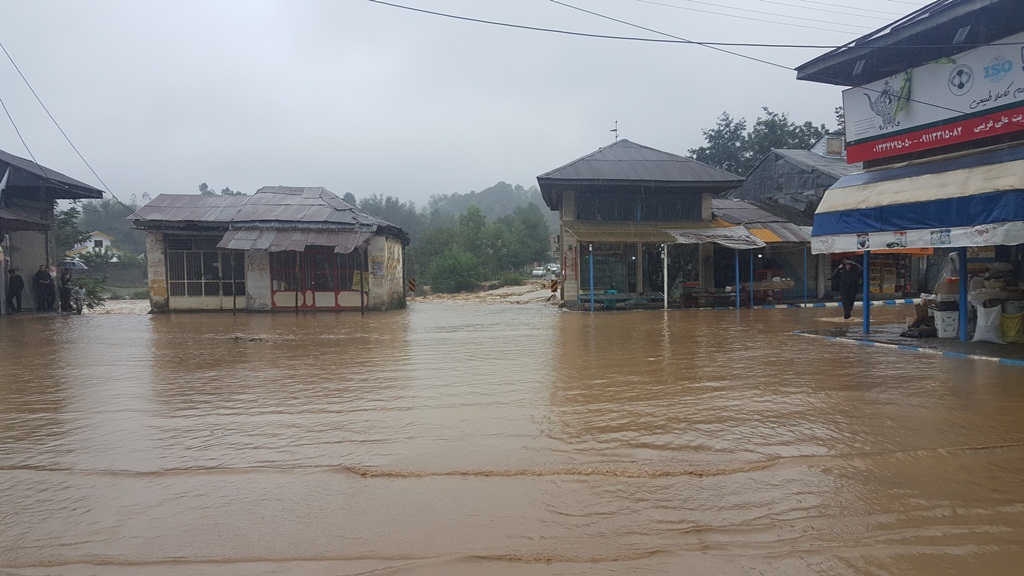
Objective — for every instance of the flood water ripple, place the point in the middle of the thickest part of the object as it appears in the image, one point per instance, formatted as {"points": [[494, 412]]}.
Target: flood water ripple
{"points": [[511, 439]]}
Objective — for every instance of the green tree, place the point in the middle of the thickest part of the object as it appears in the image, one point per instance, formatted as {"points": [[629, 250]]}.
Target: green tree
{"points": [[206, 190], [66, 231], [454, 271], [774, 130], [840, 120], [725, 146], [112, 218], [730, 147]]}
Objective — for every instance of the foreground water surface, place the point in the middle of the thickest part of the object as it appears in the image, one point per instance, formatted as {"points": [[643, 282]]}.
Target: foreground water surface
{"points": [[468, 438]]}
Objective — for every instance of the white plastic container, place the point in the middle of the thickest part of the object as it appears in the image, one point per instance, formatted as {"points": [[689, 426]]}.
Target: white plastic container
{"points": [[947, 323]]}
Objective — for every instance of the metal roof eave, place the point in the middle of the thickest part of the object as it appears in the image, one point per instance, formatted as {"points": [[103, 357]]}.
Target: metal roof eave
{"points": [[933, 28]]}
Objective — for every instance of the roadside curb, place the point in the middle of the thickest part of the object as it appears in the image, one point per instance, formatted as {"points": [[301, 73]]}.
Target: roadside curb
{"points": [[947, 353]]}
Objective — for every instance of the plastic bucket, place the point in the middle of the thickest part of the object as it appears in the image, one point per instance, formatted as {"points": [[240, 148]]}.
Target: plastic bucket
{"points": [[947, 323]]}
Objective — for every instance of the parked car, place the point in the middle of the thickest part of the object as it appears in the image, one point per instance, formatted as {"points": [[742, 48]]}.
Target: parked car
{"points": [[554, 268], [539, 272]]}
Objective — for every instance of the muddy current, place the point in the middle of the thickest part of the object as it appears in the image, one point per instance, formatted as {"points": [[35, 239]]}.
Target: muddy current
{"points": [[459, 438]]}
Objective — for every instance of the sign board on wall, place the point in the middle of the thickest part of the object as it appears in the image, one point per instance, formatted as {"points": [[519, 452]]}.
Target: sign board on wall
{"points": [[973, 95]]}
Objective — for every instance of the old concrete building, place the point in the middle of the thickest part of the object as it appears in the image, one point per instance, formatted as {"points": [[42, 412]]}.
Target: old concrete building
{"points": [[283, 248]]}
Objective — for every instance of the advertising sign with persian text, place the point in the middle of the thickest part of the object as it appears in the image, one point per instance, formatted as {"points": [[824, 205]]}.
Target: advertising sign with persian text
{"points": [[976, 94]]}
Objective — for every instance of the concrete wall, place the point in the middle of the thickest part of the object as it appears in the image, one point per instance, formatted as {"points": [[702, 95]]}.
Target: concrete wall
{"points": [[257, 281], [387, 289], [156, 268]]}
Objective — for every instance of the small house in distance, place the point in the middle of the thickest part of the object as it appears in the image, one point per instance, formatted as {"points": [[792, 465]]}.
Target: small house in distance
{"points": [[283, 248], [97, 242]]}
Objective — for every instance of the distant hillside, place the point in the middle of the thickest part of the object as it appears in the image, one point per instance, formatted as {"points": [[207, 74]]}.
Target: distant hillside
{"points": [[494, 202]]}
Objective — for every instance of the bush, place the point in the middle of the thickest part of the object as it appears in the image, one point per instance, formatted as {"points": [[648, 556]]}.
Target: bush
{"points": [[454, 271], [510, 279], [140, 294]]}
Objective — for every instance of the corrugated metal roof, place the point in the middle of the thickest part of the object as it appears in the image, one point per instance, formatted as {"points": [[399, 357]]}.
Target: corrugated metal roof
{"points": [[661, 233], [625, 164], [754, 218], [27, 173], [271, 207], [11, 221], [922, 36], [832, 165], [297, 240], [625, 161]]}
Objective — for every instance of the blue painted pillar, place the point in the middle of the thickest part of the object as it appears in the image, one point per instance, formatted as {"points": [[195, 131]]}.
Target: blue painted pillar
{"points": [[961, 254], [867, 290], [805, 276], [736, 286], [591, 277], [751, 278]]}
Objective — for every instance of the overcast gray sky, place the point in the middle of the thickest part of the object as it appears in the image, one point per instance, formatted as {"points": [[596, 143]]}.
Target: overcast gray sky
{"points": [[365, 98]]}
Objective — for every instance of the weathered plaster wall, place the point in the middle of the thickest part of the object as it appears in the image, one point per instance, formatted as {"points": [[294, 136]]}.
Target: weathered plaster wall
{"points": [[157, 270], [257, 281], [385, 260]]}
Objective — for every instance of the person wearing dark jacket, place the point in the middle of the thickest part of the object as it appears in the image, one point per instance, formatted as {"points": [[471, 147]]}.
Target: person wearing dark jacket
{"points": [[847, 280], [42, 282], [65, 290], [15, 284]]}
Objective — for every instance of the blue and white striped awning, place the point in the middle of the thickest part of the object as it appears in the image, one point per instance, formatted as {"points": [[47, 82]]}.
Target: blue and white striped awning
{"points": [[959, 200]]}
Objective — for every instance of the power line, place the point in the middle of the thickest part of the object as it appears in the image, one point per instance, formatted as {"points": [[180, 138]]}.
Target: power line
{"points": [[674, 40], [670, 35], [23, 143], [838, 6], [822, 77], [55, 123], [776, 14], [710, 45], [836, 11]]}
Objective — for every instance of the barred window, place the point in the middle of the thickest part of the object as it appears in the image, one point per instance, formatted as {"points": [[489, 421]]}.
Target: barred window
{"points": [[194, 269], [316, 268]]}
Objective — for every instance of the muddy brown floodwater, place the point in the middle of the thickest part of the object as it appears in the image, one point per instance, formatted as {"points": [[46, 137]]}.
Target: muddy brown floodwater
{"points": [[464, 438]]}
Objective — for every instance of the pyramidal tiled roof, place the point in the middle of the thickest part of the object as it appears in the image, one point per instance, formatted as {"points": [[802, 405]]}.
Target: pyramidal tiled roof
{"points": [[628, 162]]}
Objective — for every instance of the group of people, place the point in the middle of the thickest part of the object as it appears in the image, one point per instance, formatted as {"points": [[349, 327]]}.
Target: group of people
{"points": [[46, 290]]}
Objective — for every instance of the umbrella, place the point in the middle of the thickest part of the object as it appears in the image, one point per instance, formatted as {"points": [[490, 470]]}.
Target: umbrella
{"points": [[73, 264]]}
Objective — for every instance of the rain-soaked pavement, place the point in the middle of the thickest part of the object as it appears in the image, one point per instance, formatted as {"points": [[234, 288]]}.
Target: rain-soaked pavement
{"points": [[502, 436]]}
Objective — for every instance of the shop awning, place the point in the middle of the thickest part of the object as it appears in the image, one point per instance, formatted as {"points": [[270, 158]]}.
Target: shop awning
{"points": [[958, 200], [661, 233], [343, 242]]}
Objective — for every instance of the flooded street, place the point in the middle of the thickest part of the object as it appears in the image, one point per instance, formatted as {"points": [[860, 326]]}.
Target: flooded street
{"points": [[459, 438]]}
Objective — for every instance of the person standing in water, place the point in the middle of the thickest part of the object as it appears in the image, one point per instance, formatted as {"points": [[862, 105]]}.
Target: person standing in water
{"points": [[847, 280]]}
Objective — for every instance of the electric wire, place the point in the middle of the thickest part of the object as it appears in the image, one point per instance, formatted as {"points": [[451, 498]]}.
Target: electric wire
{"points": [[836, 6], [23, 142], [822, 77], [827, 11], [674, 40], [64, 134], [755, 12], [710, 45]]}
